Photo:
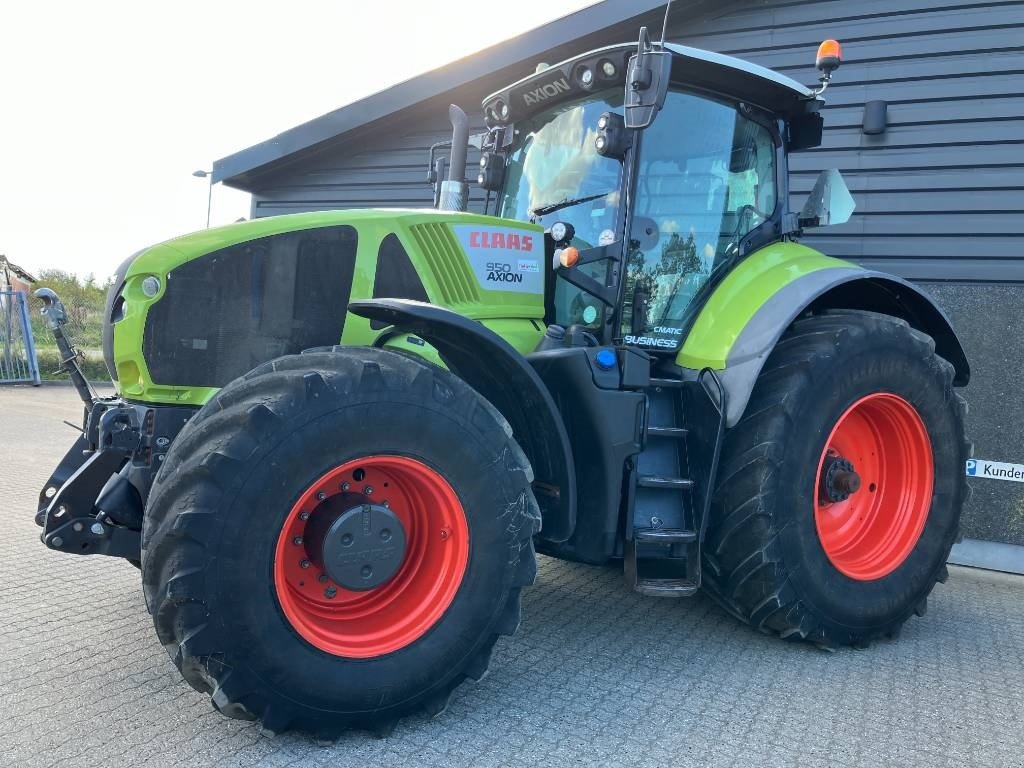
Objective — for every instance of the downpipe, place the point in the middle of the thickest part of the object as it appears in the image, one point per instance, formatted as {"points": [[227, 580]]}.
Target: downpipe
{"points": [[454, 190]]}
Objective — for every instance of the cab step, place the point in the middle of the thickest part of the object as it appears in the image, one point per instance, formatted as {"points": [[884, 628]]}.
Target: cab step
{"points": [[666, 584], [672, 483], [677, 433], [664, 536], [661, 383], [665, 587]]}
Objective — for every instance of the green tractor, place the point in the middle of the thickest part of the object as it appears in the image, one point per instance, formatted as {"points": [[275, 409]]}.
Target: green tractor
{"points": [[339, 437]]}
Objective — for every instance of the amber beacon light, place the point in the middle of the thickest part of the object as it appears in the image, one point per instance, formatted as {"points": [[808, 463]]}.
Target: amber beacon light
{"points": [[830, 55]]}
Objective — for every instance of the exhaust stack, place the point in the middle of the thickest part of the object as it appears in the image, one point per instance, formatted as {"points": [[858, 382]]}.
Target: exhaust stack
{"points": [[454, 189]]}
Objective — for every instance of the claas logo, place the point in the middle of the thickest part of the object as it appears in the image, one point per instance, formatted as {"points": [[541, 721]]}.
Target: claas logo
{"points": [[510, 241]]}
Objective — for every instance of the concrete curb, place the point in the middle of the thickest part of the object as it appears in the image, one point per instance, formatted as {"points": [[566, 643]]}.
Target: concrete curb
{"points": [[990, 555]]}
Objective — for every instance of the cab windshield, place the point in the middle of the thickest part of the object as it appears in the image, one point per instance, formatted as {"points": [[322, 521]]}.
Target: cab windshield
{"points": [[554, 162]]}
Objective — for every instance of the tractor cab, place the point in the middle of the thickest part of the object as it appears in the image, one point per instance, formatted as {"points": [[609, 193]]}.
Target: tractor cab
{"points": [[652, 169]]}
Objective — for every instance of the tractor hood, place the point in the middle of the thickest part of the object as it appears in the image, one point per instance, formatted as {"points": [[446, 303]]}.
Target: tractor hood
{"points": [[186, 316]]}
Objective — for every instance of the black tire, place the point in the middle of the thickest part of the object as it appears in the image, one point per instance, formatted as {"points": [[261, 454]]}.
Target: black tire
{"points": [[234, 473], [764, 561]]}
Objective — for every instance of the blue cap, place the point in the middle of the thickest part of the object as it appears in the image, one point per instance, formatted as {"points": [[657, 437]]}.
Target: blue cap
{"points": [[605, 359]]}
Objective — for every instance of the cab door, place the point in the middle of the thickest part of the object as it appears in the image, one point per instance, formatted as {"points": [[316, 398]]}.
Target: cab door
{"points": [[707, 178]]}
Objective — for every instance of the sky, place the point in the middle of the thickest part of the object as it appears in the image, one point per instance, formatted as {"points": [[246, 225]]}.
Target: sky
{"points": [[107, 107]]}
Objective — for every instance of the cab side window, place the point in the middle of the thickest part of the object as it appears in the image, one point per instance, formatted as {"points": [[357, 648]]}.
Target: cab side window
{"points": [[706, 179]]}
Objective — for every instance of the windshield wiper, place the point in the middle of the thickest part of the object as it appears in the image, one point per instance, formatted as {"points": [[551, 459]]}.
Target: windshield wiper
{"points": [[544, 210]]}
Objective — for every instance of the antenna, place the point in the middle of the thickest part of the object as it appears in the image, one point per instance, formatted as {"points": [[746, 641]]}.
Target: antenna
{"points": [[664, 24]]}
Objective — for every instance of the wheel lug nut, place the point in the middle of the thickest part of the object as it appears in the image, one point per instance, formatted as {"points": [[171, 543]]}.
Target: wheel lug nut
{"points": [[322, 578], [331, 591], [386, 504], [297, 540], [304, 564], [321, 495], [346, 540], [303, 515], [368, 490], [345, 486], [445, 533], [385, 535], [366, 571]]}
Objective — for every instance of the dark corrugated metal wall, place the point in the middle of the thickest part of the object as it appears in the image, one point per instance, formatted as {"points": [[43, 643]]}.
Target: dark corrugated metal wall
{"points": [[944, 182], [386, 170], [386, 164], [946, 179], [940, 195]]}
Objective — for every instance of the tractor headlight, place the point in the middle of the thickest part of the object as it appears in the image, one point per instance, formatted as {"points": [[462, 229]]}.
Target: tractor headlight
{"points": [[608, 69], [492, 170], [561, 232], [612, 138], [151, 286]]}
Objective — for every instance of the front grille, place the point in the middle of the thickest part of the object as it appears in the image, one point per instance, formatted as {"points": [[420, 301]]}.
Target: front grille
{"points": [[226, 312]]}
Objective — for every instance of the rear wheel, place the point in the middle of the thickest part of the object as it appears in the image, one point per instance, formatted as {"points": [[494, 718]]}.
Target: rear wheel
{"points": [[839, 491], [337, 539]]}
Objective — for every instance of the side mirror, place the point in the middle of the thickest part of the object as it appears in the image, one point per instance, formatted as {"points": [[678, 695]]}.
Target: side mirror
{"points": [[830, 202], [646, 83]]}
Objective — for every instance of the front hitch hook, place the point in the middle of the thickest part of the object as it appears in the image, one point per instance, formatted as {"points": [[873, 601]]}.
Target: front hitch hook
{"points": [[56, 317]]}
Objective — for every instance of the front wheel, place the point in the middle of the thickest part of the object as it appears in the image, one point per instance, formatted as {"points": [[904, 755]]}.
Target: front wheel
{"points": [[839, 491], [337, 539]]}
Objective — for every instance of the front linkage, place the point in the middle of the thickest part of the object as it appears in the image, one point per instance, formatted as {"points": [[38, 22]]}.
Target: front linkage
{"points": [[93, 501]]}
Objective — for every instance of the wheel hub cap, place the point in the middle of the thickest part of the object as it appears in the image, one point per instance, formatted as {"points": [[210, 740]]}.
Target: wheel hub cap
{"points": [[364, 547]]}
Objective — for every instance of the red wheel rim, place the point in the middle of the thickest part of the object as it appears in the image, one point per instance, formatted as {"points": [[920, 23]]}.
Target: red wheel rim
{"points": [[869, 534], [363, 624]]}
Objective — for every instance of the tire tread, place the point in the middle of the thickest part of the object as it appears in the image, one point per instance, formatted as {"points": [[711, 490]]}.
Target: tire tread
{"points": [[210, 461], [743, 566]]}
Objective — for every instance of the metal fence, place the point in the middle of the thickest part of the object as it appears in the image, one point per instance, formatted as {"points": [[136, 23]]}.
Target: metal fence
{"points": [[18, 362]]}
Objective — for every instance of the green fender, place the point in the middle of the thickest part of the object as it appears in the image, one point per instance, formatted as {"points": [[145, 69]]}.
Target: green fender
{"points": [[488, 362], [748, 312]]}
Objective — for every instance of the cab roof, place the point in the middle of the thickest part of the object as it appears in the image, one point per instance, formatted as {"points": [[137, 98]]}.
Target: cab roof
{"points": [[694, 67], [742, 79]]}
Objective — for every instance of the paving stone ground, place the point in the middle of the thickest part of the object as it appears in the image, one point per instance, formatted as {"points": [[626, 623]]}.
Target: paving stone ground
{"points": [[596, 676]]}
